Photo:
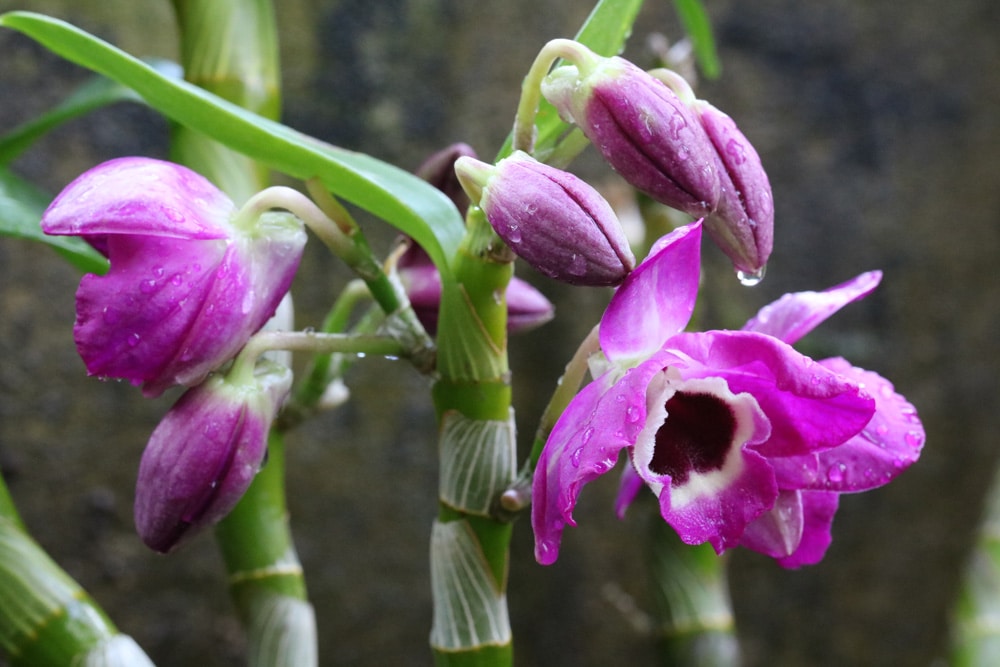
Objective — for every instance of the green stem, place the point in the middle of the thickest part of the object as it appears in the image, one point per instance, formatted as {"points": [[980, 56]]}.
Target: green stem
{"points": [[531, 88], [46, 618], [470, 542], [695, 626], [976, 617], [228, 47], [265, 576]]}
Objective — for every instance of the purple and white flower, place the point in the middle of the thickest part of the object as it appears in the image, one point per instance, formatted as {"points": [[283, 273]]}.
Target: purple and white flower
{"points": [[744, 440]]}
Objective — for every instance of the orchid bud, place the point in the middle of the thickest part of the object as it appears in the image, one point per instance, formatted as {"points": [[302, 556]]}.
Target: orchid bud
{"points": [[203, 455], [641, 127], [189, 281], [527, 308], [439, 171], [743, 223], [556, 222]]}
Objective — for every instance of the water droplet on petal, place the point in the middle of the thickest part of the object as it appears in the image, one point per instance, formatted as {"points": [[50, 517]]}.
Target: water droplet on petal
{"points": [[111, 316], [587, 434], [147, 286], [134, 339], [750, 278], [574, 458], [158, 271], [513, 234], [835, 474], [633, 414], [914, 439], [577, 265]]}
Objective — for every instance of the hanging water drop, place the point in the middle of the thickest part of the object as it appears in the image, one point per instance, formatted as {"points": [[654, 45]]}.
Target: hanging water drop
{"points": [[751, 278]]}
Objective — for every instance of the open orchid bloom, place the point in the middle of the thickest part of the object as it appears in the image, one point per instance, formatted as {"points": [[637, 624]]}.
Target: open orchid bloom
{"points": [[744, 440], [188, 284]]}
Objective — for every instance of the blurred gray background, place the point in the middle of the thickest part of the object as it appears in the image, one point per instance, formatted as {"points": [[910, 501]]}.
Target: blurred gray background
{"points": [[877, 122]]}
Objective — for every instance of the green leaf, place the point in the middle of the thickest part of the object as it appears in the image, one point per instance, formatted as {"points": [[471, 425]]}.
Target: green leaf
{"points": [[604, 32], [21, 208], [398, 197], [95, 93], [698, 27]]}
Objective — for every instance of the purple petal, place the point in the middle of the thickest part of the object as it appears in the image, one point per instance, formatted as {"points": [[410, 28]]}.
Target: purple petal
{"points": [[628, 488], [136, 195], [818, 510], [131, 320], [599, 422], [778, 532], [810, 407], [887, 445], [743, 224], [794, 315], [657, 298]]}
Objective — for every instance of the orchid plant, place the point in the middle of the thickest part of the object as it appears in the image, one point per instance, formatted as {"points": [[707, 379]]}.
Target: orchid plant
{"points": [[743, 440]]}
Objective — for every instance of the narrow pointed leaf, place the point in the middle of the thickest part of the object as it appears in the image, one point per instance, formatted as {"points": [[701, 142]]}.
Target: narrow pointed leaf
{"points": [[390, 193]]}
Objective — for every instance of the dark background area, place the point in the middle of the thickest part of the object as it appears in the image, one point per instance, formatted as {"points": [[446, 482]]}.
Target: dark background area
{"points": [[877, 122]]}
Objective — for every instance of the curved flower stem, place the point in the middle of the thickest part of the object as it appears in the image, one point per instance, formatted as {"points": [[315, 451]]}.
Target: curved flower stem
{"points": [[46, 618], [335, 227], [531, 91]]}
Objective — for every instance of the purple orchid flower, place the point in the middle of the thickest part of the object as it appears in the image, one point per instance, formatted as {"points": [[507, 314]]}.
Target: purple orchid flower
{"points": [[203, 455], [189, 281], [744, 440]]}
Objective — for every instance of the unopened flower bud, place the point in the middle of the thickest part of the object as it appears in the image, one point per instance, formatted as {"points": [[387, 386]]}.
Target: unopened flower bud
{"points": [[556, 222], [743, 223], [439, 171], [203, 455], [527, 308], [641, 127]]}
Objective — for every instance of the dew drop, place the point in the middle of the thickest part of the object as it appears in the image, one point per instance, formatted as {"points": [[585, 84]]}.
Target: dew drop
{"points": [[882, 430], [158, 271], [147, 286], [574, 458], [588, 433], [134, 339], [176, 280], [835, 474], [914, 439], [111, 316], [632, 414], [577, 265], [513, 234], [750, 278]]}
